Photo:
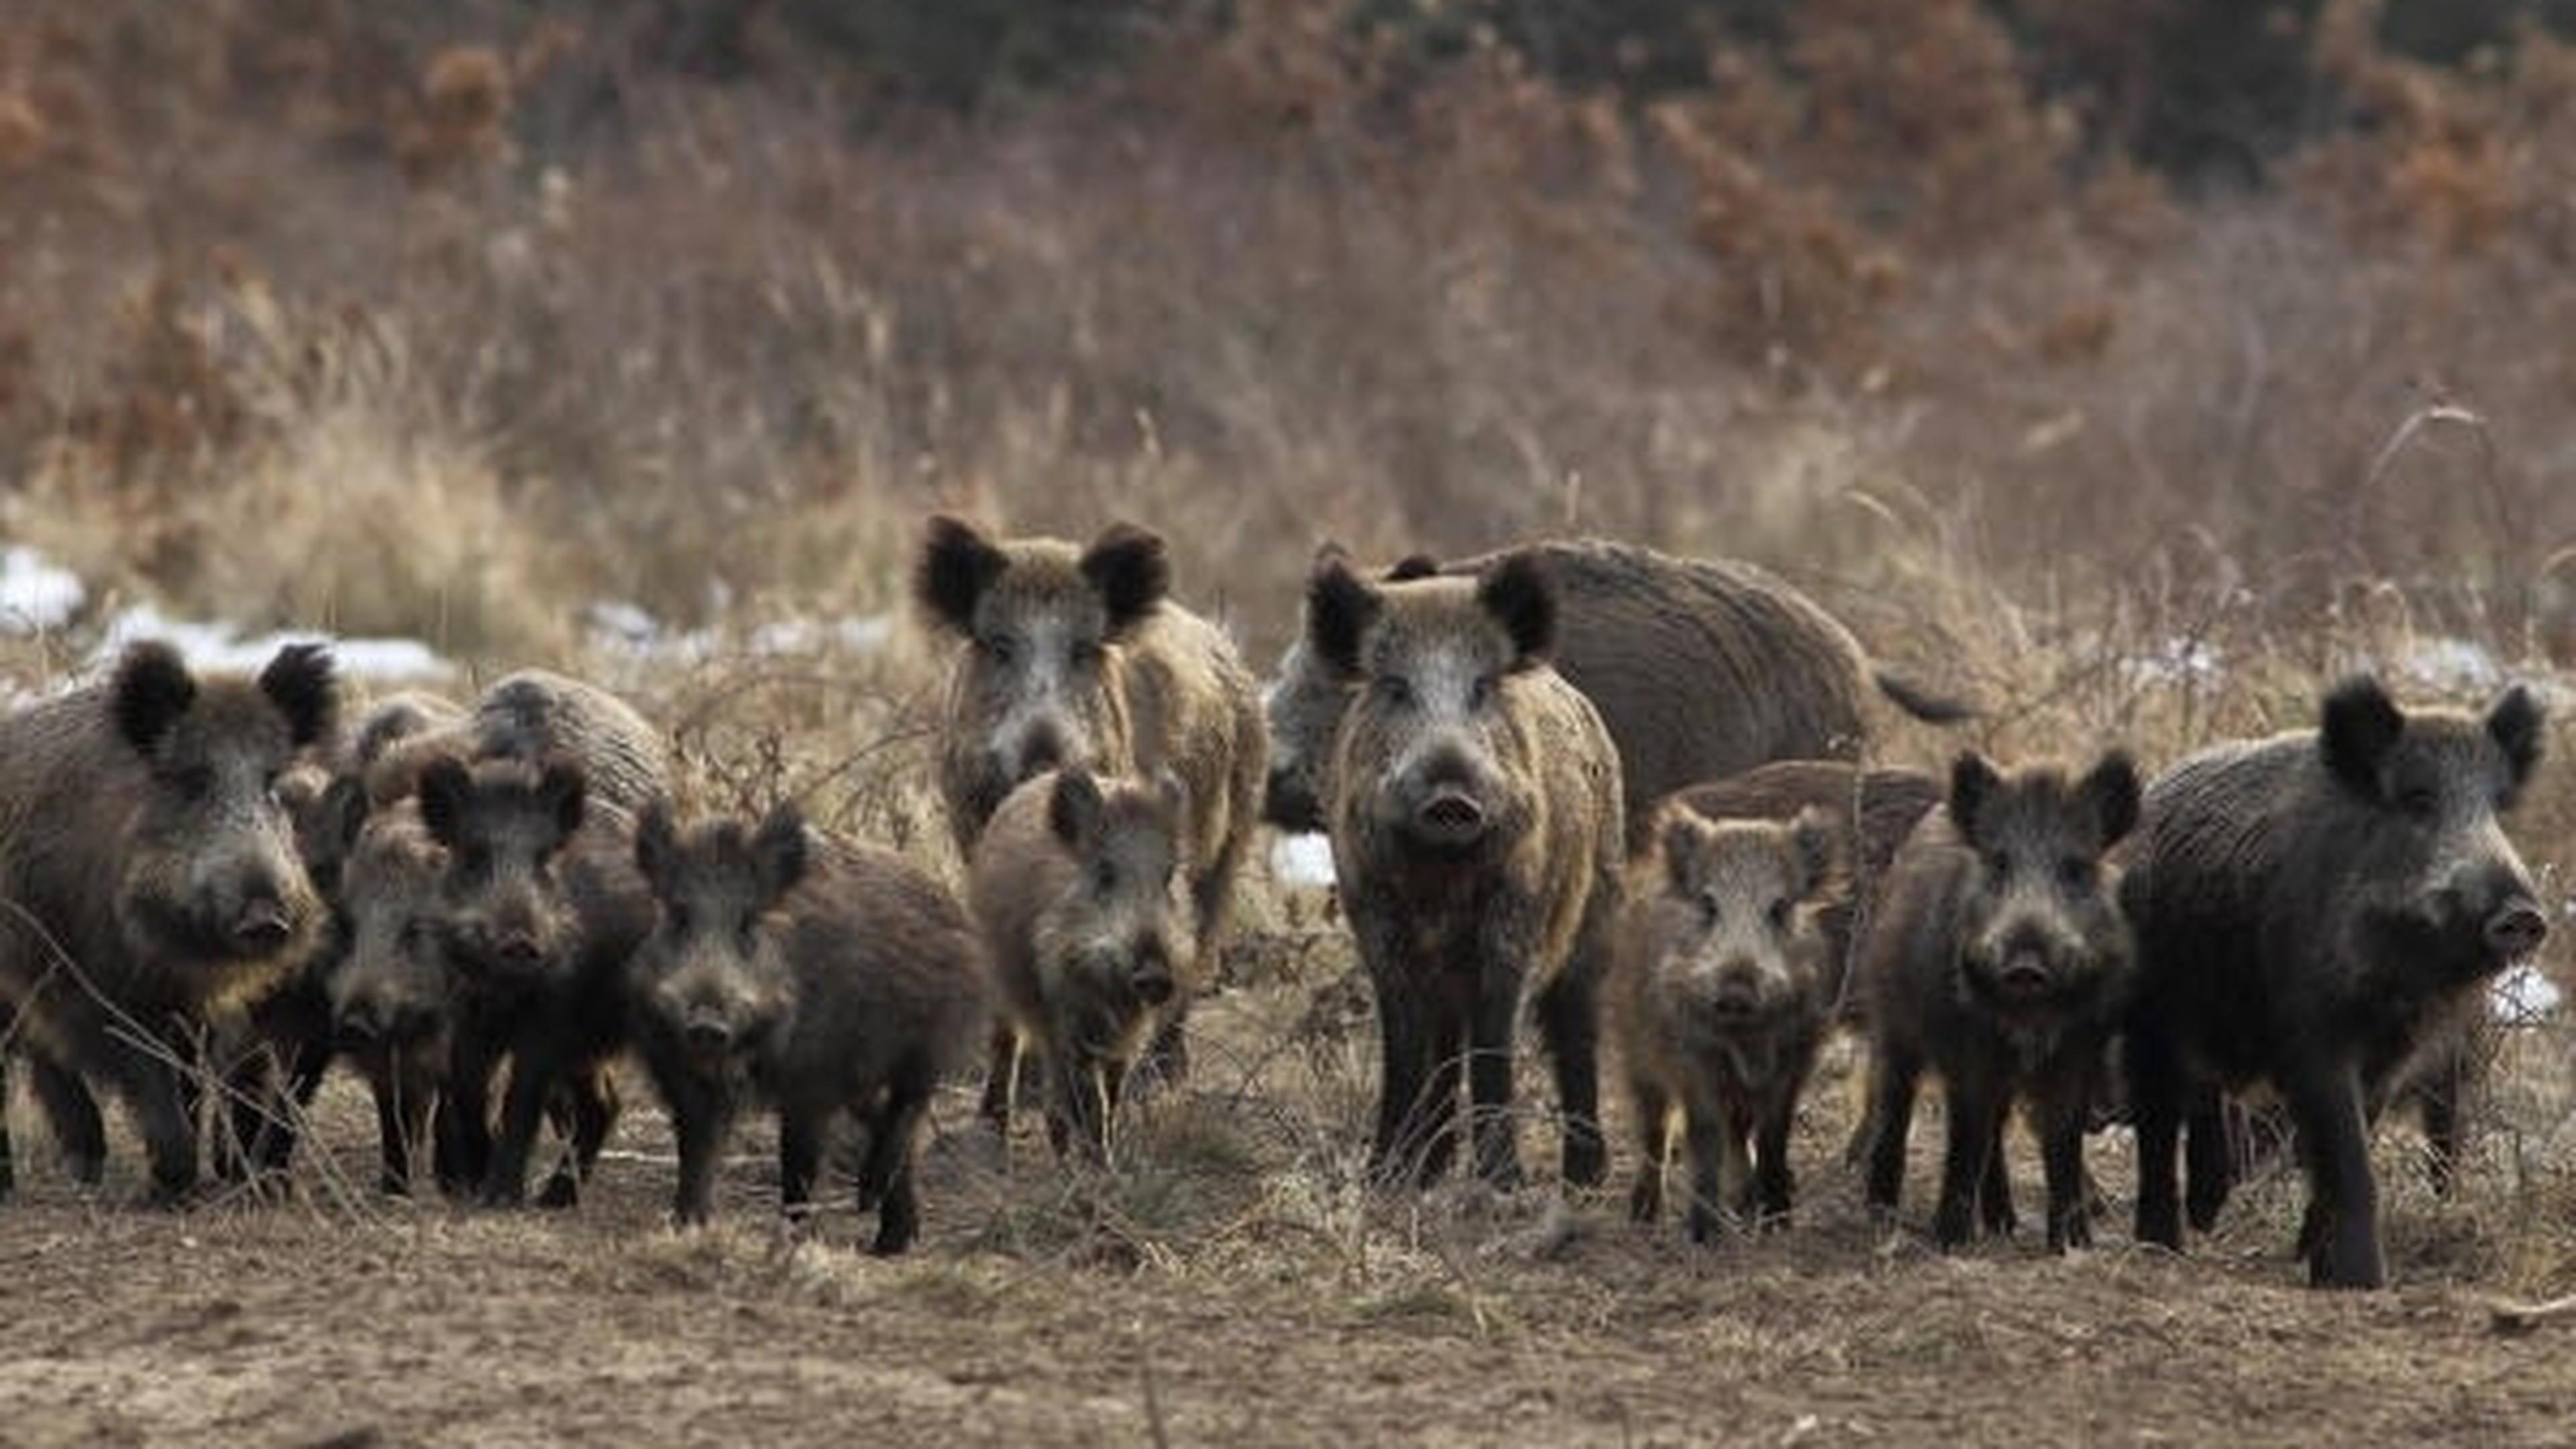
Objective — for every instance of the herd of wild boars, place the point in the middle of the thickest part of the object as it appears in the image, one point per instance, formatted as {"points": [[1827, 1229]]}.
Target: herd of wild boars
{"points": [[1622, 793]]}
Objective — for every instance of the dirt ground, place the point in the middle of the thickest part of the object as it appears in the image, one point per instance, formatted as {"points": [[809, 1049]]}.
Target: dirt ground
{"points": [[1234, 1286]]}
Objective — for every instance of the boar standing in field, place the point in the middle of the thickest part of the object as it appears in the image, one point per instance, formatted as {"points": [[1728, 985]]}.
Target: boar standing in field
{"points": [[2000, 961], [1699, 668], [391, 998], [539, 909], [2318, 910], [1478, 840], [1074, 657], [155, 884], [817, 976], [1721, 991], [1077, 887]]}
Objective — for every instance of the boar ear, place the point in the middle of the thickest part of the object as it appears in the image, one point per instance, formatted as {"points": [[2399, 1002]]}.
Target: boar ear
{"points": [[2358, 725], [1817, 842], [151, 690], [300, 683], [778, 851], [1521, 597], [343, 809], [1130, 568], [2111, 793], [1073, 811], [444, 785], [2515, 723], [1973, 782], [564, 790], [1413, 566], [1339, 610], [957, 565], [657, 842], [1677, 837]]}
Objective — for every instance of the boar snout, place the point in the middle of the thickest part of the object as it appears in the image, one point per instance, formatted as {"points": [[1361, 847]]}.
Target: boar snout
{"points": [[708, 1036], [1152, 977], [1450, 816], [2516, 929], [261, 925], [1736, 994]]}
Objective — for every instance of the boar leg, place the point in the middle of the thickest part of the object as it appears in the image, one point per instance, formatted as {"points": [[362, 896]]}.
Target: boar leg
{"points": [[1406, 1044], [2155, 1105], [2061, 1113], [885, 1177], [464, 1152], [80, 1134], [1892, 1078], [1773, 1184], [2209, 1162], [800, 1159], [1994, 1189], [535, 1072], [1715, 1171], [1976, 1107], [1489, 1076], [1081, 1109], [2438, 1096], [584, 1110], [1167, 1059], [701, 1116], [1655, 1141], [1570, 1022], [1001, 1079], [2343, 1205], [157, 1095]]}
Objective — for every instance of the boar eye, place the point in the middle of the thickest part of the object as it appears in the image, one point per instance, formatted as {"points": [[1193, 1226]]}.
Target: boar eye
{"points": [[1710, 912], [1395, 689], [1779, 913], [1481, 693], [2075, 873], [1998, 863], [1002, 647], [1104, 877], [2420, 801], [676, 916], [1087, 652], [196, 781]]}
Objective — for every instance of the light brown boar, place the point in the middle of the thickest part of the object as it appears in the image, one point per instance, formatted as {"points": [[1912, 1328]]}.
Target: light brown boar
{"points": [[1076, 885], [154, 873], [1478, 839], [1719, 994], [1078, 656]]}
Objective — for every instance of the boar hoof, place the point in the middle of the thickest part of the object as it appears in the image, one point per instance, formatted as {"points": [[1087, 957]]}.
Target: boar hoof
{"points": [[562, 1190]]}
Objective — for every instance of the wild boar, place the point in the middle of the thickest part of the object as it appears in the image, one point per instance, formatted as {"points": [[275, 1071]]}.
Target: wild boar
{"points": [[1077, 886], [2000, 960], [531, 716], [1478, 840], [808, 973], [1720, 992], [2317, 910]]}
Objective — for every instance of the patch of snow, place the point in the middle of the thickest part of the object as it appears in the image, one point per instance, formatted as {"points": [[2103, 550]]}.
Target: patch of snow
{"points": [[2453, 665], [628, 631], [2523, 993], [35, 593], [1302, 860], [2175, 661], [222, 647]]}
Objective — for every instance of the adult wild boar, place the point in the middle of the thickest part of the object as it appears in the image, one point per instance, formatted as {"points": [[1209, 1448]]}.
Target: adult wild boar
{"points": [[1720, 992], [539, 909], [2317, 910], [530, 716], [152, 873], [1076, 887], [2000, 960], [817, 976], [1699, 668], [1477, 836]]}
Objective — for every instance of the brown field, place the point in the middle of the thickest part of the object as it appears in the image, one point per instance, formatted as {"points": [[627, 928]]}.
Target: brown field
{"points": [[453, 319]]}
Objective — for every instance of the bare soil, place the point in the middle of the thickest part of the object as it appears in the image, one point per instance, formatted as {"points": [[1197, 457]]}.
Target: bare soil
{"points": [[1233, 1285]]}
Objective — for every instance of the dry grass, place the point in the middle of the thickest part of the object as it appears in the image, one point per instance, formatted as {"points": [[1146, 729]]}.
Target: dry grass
{"points": [[373, 326]]}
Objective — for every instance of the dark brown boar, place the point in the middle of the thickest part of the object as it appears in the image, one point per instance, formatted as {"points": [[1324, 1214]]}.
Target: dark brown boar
{"points": [[1076, 885], [1720, 992], [1700, 669], [2000, 961], [532, 716], [153, 874], [1080, 657], [1478, 840], [539, 910], [2320, 911], [391, 999], [1872, 811], [815, 975]]}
